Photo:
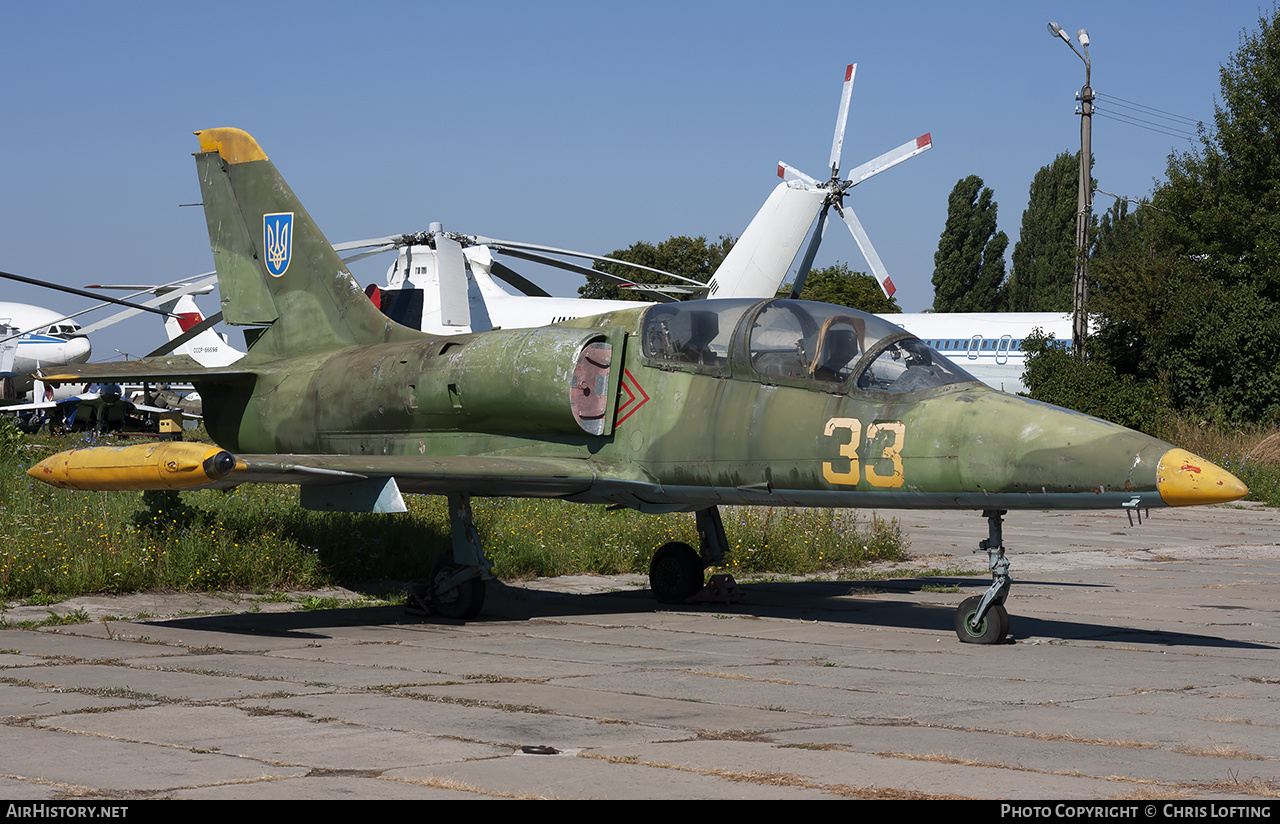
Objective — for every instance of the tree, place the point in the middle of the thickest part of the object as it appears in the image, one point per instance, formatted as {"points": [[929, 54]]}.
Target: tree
{"points": [[690, 257], [1188, 285], [1056, 376], [968, 274], [1211, 322], [1044, 258], [1122, 267], [1224, 193], [857, 290]]}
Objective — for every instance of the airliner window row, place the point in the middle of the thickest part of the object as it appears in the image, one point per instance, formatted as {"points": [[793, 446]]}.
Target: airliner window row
{"points": [[1001, 346], [988, 344]]}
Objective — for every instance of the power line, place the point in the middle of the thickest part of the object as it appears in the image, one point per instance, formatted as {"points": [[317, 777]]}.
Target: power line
{"points": [[1160, 112], [1166, 123], [1142, 124]]}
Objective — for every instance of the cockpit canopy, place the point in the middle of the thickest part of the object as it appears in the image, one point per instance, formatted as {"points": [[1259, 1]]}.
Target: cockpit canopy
{"points": [[796, 340], [64, 329]]}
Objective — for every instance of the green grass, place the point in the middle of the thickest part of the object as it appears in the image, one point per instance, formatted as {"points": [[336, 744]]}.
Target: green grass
{"points": [[55, 543]]}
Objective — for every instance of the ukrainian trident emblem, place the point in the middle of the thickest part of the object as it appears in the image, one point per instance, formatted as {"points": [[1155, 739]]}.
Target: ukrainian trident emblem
{"points": [[277, 237]]}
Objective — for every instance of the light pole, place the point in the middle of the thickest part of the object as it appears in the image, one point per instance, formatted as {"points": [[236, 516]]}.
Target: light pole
{"points": [[1084, 200]]}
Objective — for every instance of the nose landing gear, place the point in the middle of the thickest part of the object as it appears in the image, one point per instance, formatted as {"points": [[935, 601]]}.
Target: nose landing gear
{"points": [[983, 619]]}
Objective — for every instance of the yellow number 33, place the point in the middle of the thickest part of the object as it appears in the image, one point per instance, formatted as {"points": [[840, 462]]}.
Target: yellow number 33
{"points": [[848, 450]]}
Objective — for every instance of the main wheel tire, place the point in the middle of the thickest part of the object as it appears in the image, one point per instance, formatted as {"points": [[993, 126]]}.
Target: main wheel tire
{"points": [[993, 629], [463, 601], [675, 573]]}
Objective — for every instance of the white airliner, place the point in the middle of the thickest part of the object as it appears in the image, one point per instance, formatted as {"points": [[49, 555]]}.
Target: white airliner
{"points": [[987, 345], [106, 405], [43, 338]]}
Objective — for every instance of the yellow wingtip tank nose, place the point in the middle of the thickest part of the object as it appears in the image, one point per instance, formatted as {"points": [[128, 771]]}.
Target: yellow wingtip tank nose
{"points": [[167, 465], [1186, 479]]}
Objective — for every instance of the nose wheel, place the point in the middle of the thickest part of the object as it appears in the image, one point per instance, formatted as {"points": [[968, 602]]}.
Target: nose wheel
{"points": [[992, 628], [983, 618]]}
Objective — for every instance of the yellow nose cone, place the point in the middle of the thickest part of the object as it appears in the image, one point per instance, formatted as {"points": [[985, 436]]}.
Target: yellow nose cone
{"points": [[1185, 479]]}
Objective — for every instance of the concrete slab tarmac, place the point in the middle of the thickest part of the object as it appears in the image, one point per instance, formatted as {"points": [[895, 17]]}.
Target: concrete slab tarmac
{"points": [[1142, 663]]}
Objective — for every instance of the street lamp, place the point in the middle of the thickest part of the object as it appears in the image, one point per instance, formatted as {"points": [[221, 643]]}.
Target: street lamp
{"points": [[1084, 199]]}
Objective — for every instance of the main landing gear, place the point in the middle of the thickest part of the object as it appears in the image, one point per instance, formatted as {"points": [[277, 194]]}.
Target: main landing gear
{"points": [[457, 584], [983, 618], [676, 570]]}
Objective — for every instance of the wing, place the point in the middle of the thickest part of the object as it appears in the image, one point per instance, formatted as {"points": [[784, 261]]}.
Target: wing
{"points": [[488, 476], [15, 408], [349, 483]]}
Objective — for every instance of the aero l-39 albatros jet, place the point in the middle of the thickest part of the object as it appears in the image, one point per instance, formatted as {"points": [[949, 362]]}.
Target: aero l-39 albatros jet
{"points": [[675, 407]]}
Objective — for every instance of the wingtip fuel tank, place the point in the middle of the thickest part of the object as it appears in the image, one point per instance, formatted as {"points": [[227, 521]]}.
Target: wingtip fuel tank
{"points": [[168, 465]]}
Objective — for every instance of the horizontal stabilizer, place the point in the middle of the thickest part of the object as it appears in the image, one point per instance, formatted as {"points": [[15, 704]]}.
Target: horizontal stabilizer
{"points": [[169, 369]]}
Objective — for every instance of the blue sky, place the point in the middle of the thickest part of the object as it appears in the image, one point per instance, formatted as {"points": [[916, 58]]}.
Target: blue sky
{"points": [[584, 125]]}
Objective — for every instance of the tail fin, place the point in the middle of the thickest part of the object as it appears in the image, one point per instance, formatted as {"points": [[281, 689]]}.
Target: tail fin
{"points": [[206, 348], [275, 267], [758, 263]]}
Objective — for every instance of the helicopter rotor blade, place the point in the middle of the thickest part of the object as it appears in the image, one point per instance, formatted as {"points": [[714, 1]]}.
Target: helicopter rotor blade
{"points": [[374, 251], [452, 271], [519, 281], [168, 293], [891, 158], [793, 175], [82, 293], [389, 241], [508, 246], [868, 251], [842, 119], [534, 257]]}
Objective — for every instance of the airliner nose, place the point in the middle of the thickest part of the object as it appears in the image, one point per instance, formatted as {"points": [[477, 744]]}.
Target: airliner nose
{"points": [[77, 349], [1186, 479]]}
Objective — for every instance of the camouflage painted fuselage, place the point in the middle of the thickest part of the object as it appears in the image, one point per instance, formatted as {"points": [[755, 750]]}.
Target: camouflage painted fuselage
{"points": [[683, 436]]}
